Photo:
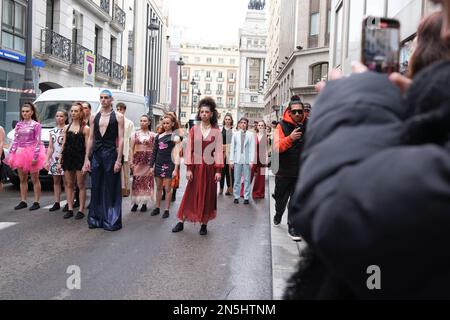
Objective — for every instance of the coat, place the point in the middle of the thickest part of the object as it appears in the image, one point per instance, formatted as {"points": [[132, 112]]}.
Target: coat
{"points": [[249, 155]]}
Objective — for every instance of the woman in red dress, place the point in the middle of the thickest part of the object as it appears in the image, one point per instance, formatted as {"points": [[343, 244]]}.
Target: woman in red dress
{"points": [[259, 171], [204, 161]]}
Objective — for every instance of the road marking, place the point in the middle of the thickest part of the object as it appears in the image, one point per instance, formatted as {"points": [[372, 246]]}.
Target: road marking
{"points": [[6, 225], [62, 204]]}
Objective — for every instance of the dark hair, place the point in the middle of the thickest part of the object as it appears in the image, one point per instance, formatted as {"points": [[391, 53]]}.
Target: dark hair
{"points": [[307, 106], [211, 104], [79, 104], [231, 116], [265, 126], [66, 114], [295, 100], [121, 105], [173, 118], [32, 107], [149, 121], [88, 104], [430, 47]]}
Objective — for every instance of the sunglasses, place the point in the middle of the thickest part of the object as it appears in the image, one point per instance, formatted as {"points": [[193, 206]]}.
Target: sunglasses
{"points": [[297, 112]]}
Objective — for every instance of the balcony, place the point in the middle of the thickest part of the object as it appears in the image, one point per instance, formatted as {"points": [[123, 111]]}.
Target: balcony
{"points": [[231, 93], [118, 74], [55, 49], [185, 77], [208, 79], [196, 78], [78, 53], [220, 79], [231, 105], [118, 18], [231, 79], [100, 8], [184, 90], [219, 92], [103, 68], [208, 92]]}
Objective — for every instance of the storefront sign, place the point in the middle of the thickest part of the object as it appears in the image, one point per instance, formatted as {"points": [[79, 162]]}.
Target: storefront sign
{"points": [[12, 56]]}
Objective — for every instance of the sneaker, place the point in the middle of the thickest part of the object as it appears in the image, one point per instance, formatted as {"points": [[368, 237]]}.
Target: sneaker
{"points": [[134, 208], [55, 207], [155, 212], [144, 208], [76, 204], [178, 228], [79, 216], [277, 220], [246, 202], [203, 230], [68, 215], [166, 214], [66, 208], [35, 206], [236, 201], [293, 234], [21, 205]]}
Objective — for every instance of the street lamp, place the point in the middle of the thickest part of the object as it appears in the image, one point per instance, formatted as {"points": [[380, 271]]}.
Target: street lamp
{"points": [[154, 28], [180, 63], [193, 83], [28, 94]]}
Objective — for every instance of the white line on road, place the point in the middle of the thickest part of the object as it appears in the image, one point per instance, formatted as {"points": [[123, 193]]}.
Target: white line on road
{"points": [[6, 225], [62, 204]]}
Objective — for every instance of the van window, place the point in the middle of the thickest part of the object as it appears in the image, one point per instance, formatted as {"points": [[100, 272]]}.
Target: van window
{"points": [[46, 111], [134, 111]]}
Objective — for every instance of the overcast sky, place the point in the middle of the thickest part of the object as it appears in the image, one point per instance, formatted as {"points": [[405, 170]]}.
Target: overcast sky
{"points": [[207, 21]]}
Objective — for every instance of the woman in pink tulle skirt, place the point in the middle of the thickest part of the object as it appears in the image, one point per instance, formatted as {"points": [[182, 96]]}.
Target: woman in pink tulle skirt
{"points": [[27, 154]]}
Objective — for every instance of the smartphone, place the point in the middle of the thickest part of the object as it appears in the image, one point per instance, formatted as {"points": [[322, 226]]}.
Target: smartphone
{"points": [[381, 44]]}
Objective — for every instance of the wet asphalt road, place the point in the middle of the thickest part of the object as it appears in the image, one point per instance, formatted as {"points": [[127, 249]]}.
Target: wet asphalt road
{"points": [[144, 260]]}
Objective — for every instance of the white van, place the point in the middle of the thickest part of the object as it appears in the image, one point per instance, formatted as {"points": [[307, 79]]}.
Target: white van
{"points": [[48, 103]]}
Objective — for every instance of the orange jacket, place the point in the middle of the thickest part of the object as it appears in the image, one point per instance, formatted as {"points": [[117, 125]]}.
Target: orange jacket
{"points": [[281, 142]]}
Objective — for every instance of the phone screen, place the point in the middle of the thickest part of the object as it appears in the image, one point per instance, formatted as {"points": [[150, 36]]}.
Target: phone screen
{"points": [[381, 44]]}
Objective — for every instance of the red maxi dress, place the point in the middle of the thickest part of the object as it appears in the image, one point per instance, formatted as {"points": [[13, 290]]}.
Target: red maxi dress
{"points": [[204, 157], [259, 172]]}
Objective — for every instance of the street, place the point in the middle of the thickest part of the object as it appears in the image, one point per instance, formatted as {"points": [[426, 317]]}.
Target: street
{"points": [[144, 260]]}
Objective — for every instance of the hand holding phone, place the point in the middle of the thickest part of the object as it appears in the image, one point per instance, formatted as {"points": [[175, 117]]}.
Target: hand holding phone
{"points": [[381, 44]]}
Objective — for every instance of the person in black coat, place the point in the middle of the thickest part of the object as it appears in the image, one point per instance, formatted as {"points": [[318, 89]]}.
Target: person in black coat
{"points": [[374, 190]]}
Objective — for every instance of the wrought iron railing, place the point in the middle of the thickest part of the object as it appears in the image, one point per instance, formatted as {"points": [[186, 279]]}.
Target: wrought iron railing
{"points": [[103, 65], [104, 4], [118, 71], [56, 45], [119, 15], [78, 54]]}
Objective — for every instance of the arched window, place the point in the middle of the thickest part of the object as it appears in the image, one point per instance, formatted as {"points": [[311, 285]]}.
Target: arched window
{"points": [[319, 72]]}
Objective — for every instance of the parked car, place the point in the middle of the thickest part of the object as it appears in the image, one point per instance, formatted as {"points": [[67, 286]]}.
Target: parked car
{"points": [[62, 99]]}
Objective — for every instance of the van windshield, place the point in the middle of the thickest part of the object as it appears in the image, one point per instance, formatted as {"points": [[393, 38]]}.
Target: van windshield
{"points": [[46, 111]]}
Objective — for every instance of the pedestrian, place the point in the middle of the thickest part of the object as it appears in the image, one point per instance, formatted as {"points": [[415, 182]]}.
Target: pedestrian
{"points": [[227, 173], [105, 148], [129, 129], [386, 192], [262, 160], [176, 179], [87, 109], [2, 157], [54, 154], [242, 160], [27, 154], [73, 153], [307, 110], [288, 143], [164, 162], [204, 161], [141, 150]]}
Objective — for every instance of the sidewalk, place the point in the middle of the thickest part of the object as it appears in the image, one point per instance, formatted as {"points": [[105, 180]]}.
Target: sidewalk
{"points": [[285, 252]]}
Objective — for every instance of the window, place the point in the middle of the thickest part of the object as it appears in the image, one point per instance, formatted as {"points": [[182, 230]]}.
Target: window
{"points": [[208, 60], [327, 35], [185, 74], [231, 76], [219, 100], [231, 88], [338, 43], [220, 87], [254, 99], [319, 72], [314, 23], [208, 87], [233, 61], [184, 100], [354, 33], [13, 25], [196, 75], [49, 15], [183, 114], [195, 99], [208, 74], [221, 60], [231, 102], [220, 75]]}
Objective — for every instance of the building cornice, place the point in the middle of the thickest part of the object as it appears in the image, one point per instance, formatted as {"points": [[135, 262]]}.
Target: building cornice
{"points": [[302, 53]]}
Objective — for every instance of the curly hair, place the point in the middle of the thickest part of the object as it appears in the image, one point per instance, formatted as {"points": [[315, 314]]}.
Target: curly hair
{"points": [[211, 104]]}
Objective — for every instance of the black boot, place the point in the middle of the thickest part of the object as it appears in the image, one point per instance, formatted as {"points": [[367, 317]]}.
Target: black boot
{"points": [[178, 228], [144, 208], [203, 230], [134, 208], [155, 212]]}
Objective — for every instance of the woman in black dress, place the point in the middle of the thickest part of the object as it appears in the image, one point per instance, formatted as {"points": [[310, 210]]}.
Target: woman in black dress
{"points": [[72, 159], [165, 161]]}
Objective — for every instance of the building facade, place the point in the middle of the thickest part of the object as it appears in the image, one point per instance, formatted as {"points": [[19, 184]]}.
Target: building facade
{"points": [[298, 53], [63, 30], [252, 50], [151, 55], [209, 71], [346, 21]]}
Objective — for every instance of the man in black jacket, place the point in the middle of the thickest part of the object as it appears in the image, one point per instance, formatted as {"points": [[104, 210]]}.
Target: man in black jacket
{"points": [[374, 188]]}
